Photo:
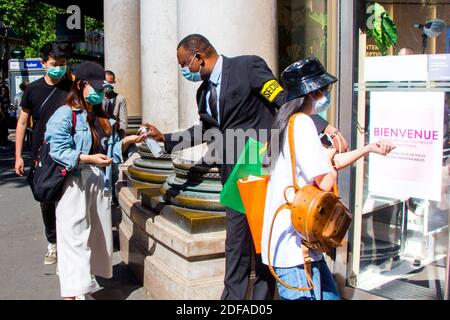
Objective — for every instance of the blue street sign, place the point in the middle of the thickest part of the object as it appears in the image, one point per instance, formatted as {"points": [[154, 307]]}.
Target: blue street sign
{"points": [[25, 64], [33, 64]]}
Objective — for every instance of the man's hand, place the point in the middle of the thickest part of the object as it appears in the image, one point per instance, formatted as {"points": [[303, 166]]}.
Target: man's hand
{"points": [[154, 133], [19, 166]]}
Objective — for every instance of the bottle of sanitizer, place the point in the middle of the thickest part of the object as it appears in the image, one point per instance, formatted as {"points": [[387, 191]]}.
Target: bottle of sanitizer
{"points": [[154, 146]]}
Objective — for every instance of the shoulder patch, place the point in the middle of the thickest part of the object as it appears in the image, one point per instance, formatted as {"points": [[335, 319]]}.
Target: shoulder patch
{"points": [[271, 89]]}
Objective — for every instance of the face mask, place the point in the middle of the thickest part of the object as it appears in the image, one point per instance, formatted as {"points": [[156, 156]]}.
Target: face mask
{"points": [[323, 104], [109, 88], [95, 97], [57, 73], [191, 76]]}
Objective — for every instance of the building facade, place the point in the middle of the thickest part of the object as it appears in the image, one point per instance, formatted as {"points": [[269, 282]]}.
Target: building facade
{"points": [[397, 247]]}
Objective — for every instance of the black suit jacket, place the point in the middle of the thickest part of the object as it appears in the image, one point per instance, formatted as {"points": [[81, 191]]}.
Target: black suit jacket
{"points": [[249, 98]]}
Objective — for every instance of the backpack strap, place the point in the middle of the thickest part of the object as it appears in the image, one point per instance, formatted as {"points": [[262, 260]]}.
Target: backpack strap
{"points": [[305, 251], [306, 257], [292, 149], [74, 122]]}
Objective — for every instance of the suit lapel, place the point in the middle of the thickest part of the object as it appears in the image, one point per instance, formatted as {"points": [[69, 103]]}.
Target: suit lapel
{"points": [[224, 87]]}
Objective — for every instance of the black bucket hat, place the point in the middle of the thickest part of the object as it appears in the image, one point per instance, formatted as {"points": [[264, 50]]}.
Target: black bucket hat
{"points": [[305, 76], [93, 73]]}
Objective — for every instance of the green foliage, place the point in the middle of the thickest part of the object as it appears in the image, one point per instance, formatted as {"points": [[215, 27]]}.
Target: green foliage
{"points": [[35, 22], [381, 28]]}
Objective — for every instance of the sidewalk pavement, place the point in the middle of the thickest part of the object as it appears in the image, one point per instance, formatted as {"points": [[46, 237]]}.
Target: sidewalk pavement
{"points": [[23, 275]]}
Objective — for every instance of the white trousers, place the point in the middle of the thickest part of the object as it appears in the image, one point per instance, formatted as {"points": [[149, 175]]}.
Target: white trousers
{"points": [[84, 232]]}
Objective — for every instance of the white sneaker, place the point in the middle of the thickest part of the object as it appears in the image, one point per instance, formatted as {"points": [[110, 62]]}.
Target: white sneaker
{"points": [[81, 297], [51, 255]]}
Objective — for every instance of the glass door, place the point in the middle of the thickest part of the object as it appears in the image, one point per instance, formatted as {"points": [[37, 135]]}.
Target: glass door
{"points": [[399, 242]]}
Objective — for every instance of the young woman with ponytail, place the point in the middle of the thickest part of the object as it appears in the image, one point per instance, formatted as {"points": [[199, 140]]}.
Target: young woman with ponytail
{"points": [[83, 215]]}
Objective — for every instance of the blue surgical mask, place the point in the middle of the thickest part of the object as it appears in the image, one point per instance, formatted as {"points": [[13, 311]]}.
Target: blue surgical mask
{"points": [[95, 97], [323, 104], [189, 75], [56, 73]]}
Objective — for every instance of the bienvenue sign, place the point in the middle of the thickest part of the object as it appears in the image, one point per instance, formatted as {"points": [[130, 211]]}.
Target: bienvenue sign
{"points": [[413, 121]]}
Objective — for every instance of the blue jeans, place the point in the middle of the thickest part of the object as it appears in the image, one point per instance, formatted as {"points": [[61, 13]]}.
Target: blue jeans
{"points": [[325, 287]]}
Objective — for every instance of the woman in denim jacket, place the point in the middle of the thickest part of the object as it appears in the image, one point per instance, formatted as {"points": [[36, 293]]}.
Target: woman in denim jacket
{"points": [[83, 215]]}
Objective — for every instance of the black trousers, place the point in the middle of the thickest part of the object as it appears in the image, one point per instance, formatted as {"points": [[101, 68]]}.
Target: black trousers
{"points": [[49, 218], [238, 255]]}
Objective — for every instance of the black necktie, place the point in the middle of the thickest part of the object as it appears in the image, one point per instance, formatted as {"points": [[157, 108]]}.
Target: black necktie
{"points": [[213, 100], [110, 110]]}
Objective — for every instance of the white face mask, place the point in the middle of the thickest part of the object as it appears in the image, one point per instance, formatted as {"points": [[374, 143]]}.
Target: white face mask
{"points": [[323, 104]]}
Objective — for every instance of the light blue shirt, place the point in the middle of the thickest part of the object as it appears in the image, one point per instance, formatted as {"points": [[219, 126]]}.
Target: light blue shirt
{"points": [[216, 78]]}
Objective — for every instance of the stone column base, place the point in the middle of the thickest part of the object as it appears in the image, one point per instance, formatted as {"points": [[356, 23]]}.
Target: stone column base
{"points": [[171, 263]]}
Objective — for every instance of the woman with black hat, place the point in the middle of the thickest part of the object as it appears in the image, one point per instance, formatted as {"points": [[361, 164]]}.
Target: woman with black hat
{"points": [[308, 86], [81, 138]]}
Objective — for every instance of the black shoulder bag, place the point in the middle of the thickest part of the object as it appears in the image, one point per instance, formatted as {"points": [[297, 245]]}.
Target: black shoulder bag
{"points": [[46, 178]]}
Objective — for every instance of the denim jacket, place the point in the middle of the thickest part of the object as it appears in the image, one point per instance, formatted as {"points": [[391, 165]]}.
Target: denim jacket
{"points": [[66, 150]]}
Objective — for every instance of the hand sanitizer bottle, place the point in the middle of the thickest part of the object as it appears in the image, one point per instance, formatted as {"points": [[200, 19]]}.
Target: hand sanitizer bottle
{"points": [[154, 146]]}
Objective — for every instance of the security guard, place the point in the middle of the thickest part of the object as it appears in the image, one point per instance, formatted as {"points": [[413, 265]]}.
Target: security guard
{"points": [[236, 93]]}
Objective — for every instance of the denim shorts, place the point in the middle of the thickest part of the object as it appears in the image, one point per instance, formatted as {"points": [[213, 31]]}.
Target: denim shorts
{"points": [[325, 287]]}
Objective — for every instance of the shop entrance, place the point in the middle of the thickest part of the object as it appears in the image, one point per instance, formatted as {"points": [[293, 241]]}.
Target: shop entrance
{"points": [[399, 244]]}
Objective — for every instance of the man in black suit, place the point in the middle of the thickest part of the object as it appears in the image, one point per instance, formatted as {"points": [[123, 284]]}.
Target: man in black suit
{"points": [[239, 93]]}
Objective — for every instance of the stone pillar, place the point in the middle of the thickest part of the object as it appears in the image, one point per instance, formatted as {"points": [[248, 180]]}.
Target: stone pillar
{"points": [[159, 66], [234, 27], [122, 49]]}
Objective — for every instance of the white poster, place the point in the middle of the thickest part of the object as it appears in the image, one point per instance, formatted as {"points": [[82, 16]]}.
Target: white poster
{"points": [[413, 121], [30, 78]]}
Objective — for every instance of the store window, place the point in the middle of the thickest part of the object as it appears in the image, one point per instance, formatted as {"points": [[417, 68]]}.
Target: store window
{"points": [[302, 26], [399, 243], [307, 28]]}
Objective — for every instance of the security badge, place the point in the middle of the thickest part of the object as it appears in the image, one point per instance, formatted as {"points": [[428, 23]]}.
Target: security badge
{"points": [[271, 89]]}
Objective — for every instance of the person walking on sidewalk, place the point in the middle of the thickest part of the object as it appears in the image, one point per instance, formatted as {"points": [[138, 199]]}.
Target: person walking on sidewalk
{"points": [[39, 101], [83, 214]]}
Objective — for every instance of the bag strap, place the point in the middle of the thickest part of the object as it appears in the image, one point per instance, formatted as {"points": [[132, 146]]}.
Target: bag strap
{"points": [[306, 257], [292, 151], [46, 100]]}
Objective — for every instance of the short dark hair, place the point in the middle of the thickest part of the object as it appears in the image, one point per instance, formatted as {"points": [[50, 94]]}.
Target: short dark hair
{"points": [[196, 43], [53, 50], [110, 73]]}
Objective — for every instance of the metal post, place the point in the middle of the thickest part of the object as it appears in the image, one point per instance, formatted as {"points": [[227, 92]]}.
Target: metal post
{"points": [[346, 36], [447, 274]]}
